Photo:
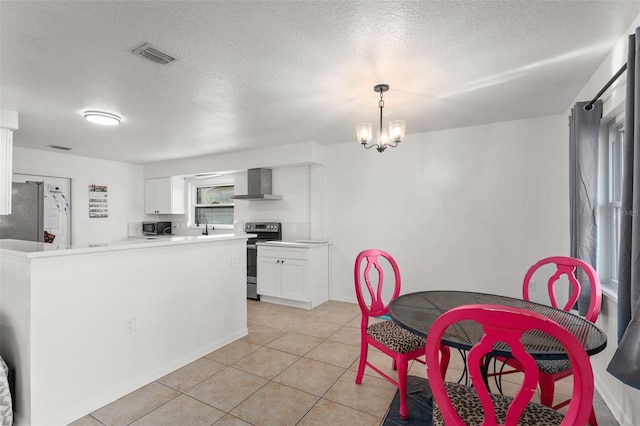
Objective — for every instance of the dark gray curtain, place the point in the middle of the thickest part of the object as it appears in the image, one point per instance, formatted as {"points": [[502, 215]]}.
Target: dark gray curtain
{"points": [[625, 364], [584, 129]]}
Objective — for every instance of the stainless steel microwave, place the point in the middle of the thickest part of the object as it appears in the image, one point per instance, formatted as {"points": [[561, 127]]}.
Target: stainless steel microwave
{"points": [[156, 228]]}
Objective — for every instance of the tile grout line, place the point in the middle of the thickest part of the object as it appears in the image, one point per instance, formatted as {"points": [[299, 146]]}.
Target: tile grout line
{"points": [[320, 398], [155, 408], [303, 316], [341, 326]]}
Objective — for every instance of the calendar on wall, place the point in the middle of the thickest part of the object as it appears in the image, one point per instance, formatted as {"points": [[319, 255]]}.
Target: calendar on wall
{"points": [[98, 201]]}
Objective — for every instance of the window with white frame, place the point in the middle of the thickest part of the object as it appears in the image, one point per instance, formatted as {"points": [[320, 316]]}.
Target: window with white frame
{"points": [[210, 202], [613, 210]]}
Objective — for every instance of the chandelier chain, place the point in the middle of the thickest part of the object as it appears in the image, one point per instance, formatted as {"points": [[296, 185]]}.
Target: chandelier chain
{"points": [[381, 105]]}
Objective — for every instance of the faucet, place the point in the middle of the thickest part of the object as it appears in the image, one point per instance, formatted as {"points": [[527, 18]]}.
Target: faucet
{"points": [[205, 231]]}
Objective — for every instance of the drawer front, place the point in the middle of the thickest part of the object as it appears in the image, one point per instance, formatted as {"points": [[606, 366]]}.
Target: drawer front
{"points": [[268, 251], [294, 253]]}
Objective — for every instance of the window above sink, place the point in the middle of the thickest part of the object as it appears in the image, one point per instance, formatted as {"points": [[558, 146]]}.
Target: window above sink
{"points": [[210, 202]]}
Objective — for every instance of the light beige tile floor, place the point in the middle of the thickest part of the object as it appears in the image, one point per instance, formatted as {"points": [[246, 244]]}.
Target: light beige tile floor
{"points": [[296, 367]]}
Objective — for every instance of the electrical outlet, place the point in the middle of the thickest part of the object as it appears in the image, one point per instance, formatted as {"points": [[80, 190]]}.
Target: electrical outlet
{"points": [[130, 324], [294, 228], [532, 285], [234, 260]]}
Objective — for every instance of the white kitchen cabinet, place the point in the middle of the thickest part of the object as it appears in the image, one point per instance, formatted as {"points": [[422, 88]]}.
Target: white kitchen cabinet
{"points": [[8, 124], [164, 195], [269, 270], [293, 274]]}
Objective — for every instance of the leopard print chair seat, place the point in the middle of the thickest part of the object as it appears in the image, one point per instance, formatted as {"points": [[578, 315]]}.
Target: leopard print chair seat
{"points": [[467, 405], [554, 366], [394, 337]]}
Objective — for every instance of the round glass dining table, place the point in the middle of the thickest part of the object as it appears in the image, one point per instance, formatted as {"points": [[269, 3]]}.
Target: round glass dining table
{"points": [[416, 312]]}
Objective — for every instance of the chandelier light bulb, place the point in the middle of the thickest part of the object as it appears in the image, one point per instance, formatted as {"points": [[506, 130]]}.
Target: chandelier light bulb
{"points": [[396, 130], [364, 132], [383, 138]]}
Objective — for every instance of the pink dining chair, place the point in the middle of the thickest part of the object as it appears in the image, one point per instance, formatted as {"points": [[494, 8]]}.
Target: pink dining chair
{"points": [[552, 371], [568, 266], [386, 336], [458, 404]]}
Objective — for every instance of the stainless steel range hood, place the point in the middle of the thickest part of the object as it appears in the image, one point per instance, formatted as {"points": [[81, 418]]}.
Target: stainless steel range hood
{"points": [[259, 186]]}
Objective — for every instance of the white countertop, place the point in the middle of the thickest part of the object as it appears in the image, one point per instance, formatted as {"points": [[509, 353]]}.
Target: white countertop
{"points": [[299, 243], [33, 249]]}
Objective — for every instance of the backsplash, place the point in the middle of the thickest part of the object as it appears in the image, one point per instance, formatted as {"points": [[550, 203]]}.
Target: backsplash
{"points": [[296, 231], [134, 229], [290, 231]]}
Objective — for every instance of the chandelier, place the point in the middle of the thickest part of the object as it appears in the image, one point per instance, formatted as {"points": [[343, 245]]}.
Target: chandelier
{"points": [[386, 137]]}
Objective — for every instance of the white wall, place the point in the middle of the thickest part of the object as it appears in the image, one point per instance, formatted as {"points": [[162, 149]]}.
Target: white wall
{"points": [[468, 208], [621, 399], [296, 172], [294, 211], [293, 183], [125, 191], [277, 156]]}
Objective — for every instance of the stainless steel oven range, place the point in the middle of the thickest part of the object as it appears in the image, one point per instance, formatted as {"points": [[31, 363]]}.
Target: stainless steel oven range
{"points": [[265, 231]]}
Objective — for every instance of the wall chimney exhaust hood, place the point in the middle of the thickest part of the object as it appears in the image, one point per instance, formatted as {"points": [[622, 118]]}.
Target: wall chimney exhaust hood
{"points": [[259, 186]]}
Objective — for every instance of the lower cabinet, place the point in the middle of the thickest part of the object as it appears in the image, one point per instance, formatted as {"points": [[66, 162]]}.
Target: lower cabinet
{"points": [[295, 276]]}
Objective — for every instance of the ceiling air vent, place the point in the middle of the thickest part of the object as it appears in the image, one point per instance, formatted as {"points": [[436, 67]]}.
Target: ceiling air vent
{"points": [[152, 53]]}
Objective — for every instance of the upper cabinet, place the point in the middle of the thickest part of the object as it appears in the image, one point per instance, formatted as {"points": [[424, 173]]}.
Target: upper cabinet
{"points": [[164, 195], [8, 123]]}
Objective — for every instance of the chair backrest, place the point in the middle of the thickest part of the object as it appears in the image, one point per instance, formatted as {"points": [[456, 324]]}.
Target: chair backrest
{"points": [[377, 306], [568, 266], [507, 325]]}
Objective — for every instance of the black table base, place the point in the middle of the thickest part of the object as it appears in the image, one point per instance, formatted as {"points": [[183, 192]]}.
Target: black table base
{"points": [[419, 402]]}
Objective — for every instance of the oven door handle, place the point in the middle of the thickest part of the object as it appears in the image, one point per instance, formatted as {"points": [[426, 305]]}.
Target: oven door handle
{"points": [[252, 246]]}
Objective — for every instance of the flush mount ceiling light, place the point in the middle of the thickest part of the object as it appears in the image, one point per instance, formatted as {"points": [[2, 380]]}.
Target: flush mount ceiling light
{"points": [[386, 137], [104, 118]]}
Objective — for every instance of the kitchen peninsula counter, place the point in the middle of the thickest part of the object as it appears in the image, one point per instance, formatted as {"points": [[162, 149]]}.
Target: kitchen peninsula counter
{"points": [[32, 249], [85, 325]]}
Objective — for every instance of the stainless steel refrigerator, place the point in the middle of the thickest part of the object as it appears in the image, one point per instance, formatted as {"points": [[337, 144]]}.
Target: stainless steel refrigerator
{"points": [[26, 221]]}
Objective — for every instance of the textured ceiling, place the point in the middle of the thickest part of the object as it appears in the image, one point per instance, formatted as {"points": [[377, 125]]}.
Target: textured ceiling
{"points": [[255, 74]]}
